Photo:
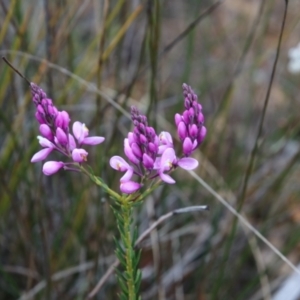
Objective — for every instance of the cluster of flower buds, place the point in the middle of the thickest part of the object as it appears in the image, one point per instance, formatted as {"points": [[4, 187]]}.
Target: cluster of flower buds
{"points": [[55, 135], [190, 128], [153, 155]]}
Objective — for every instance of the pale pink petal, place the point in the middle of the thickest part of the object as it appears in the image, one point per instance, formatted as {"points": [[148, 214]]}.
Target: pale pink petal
{"points": [[167, 178], [157, 163], [119, 163], [79, 155], [80, 131], [167, 159], [45, 142], [129, 187], [128, 152], [93, 140], [72, 143], [41, 155], [51, 167], [188, 163], [127, 176]]}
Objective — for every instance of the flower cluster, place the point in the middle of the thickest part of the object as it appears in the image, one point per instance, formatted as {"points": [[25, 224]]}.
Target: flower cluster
{"points": [[190, 128], [55, 135], [151, 155]]}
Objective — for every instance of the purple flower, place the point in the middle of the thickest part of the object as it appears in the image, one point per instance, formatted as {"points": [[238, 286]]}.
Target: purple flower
{"points": [[169, 161], [79, 155], [129, 187], [190, 128], [119, 164], [151, 156], [51, 167], [54, 128]]}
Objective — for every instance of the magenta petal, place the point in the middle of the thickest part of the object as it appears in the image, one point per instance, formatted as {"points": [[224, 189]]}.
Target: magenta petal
{"points": [[39, 118], [119, 163], [65, 119], [167, 178], [127, 176], [79, 155], [187, 146], [147, 161], [128, 152], [46, 131], [72, 143], [136, 150], [51, 167], [193, 131], [93, 140], [188, 163], [61, 136], [129, 187], [41, 155], [202, 134], [131, 138], [178, 119], [181, 130]]}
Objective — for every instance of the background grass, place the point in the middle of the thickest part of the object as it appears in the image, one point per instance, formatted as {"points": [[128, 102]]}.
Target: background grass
{"points": [[93, 57]]}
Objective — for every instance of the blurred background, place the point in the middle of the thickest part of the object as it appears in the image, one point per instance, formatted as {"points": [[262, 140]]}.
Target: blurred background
{"points": [[56, 233]]}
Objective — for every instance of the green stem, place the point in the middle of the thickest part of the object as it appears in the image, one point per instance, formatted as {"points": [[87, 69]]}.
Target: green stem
{"points": [[102, 184], [129, 251]]}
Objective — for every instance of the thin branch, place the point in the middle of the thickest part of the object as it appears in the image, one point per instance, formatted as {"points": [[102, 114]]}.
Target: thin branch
{"points": [[17, 71], [244, 221]]}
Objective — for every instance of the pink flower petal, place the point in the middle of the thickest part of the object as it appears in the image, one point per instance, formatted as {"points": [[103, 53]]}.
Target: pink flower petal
{"points": [[178, 119], [187, 146], [147, 161], [167, 178], [93, 140], [181, 130], [119, 163], [202, 134], [128, 152], [79, 155], [167, 159], [41, 155], [45, 143], [80, 131], [127, 176], [129, 187], [72, 143], [51, 167], [188, 163], [61, 136], [46, 131], [157, 163], [77, 129]]}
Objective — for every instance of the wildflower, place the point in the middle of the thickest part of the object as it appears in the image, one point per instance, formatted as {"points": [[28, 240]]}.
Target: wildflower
{"points": [[51, 167], [190, 128], [294, 63], [55, 135], [169, 161]]}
